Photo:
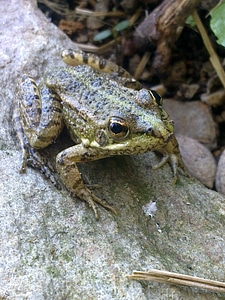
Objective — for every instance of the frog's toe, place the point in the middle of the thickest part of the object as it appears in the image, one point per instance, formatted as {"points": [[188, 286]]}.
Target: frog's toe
{"points": [[174, 161], [36, 161], [86, 195], [162, 162], [24, 161], [105, 205]]}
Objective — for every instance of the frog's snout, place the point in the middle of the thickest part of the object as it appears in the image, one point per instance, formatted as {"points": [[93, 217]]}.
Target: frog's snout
{"points": [[151, 131], [154, 131]]}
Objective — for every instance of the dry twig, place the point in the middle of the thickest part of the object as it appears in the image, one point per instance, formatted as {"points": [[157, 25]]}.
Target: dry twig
{"points": [[213, 56], [178, 279]]}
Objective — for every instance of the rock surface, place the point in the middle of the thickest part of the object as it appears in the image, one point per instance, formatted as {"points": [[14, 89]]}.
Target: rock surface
{"points": [[192, 119], [51, 245], [198, 160], [220, 174]]}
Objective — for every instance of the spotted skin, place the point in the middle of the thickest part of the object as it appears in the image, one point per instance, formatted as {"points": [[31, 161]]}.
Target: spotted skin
{"points": [[104, 116], [78, 57]]}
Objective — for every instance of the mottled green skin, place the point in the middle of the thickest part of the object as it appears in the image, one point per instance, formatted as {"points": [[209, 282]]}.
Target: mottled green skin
{"points": [[90, 98], [86, 101]]}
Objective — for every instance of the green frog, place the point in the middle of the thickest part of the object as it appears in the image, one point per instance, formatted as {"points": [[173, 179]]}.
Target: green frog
{"points": [[105, 111]]}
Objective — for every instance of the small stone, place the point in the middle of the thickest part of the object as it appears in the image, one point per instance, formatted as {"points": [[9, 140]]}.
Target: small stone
{"points": [[129, 5], [214, 99], [192, 119], [187, 91], [220, 174], [198, 160], [96, 22], [83, 38]]}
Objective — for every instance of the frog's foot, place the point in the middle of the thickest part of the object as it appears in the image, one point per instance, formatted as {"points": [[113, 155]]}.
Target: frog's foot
{"points": [[24, 160], [72, 180], [36, 161], [86, 195], [174, 161]]}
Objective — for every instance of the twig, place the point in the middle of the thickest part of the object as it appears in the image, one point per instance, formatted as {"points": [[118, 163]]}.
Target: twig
{"points": [[213, 56], [178, 279], [142, 65]]}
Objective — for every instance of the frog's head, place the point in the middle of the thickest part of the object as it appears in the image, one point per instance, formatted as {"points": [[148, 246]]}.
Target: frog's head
{"points": [[141, 127]]}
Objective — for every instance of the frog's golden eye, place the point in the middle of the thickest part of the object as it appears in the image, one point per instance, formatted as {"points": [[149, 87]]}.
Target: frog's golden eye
{"points": [[118, 128], [156, 96]]}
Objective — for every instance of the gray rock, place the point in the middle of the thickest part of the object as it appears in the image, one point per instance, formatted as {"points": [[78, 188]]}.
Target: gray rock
{"points": [[220, 174], [192, 119], [198, 160], [52, 247]]}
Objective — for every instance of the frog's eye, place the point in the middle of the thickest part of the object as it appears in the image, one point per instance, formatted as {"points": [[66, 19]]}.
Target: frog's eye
{"points": [[118, 128], [156, 96]]}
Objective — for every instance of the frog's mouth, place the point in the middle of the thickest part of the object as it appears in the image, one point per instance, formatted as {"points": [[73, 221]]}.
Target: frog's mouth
{"points": [[133, 144]]}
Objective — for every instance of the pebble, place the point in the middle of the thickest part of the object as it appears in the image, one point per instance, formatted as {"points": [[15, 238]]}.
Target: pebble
{"points": [[198, 160], [192, 119], [220, 174], [214, 99]]}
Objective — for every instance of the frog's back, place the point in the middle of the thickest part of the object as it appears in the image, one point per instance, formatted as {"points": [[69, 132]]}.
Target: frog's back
{"points": [[90, 93]]}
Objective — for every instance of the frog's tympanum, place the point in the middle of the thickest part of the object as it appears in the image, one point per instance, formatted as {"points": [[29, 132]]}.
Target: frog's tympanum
{"points": [[105, 111]]}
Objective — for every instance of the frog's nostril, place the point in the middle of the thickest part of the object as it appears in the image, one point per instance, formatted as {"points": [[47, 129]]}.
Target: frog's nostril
{"points": [[153, 132], [149, 130]]}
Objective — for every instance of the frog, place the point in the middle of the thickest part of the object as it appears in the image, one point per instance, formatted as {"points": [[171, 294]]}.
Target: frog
{"points": [[106, 112]]}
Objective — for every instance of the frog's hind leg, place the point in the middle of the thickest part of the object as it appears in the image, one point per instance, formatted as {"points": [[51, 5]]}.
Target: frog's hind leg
{"points": [[30, 157], [119, 74], [24, 144], [78, 57], [38, 121], [38, 162], [40, 112]]}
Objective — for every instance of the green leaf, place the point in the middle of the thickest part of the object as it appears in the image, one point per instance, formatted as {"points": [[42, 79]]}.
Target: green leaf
{"points": [[102, 35], [122, 25], [217, 23], [107, 33], [189, 21]]}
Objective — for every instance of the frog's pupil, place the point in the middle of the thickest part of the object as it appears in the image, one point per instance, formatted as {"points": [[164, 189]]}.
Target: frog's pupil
{"points": [[116, 128]]}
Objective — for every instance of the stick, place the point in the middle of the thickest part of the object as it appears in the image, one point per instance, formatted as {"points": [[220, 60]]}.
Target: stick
{"points": [[213, 56], [178, 279]]}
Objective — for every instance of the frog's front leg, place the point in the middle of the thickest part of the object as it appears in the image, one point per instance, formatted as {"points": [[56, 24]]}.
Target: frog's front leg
{"points": [[172, 154], [71, 177]]}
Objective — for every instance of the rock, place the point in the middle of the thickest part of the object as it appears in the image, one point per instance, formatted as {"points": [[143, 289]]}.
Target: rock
{"points": [[198, 160], [51, 245], [192, 119], [187, 91], [96, 22], [214, 99], [220, 174], [129, 6]]}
